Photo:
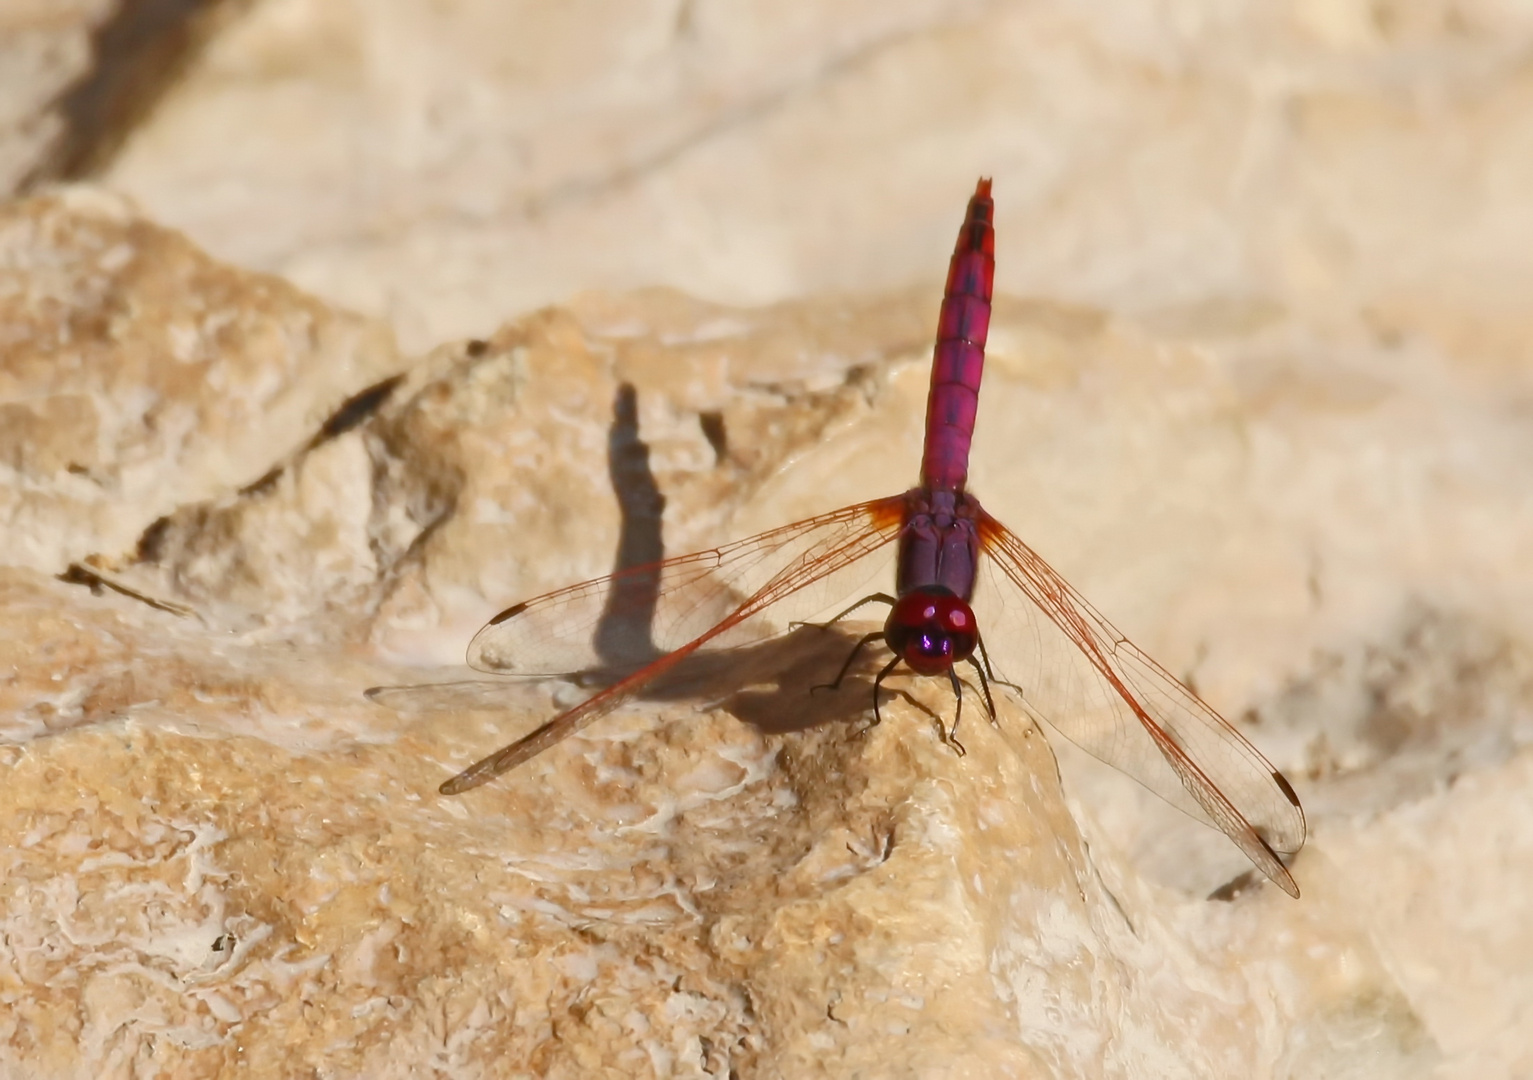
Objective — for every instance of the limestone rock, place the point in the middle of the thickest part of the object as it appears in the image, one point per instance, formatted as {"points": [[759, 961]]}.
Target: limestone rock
{"points": [[136, 372]]}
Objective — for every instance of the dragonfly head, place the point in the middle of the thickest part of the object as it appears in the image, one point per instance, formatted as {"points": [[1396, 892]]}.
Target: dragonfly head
{"points": [[931, 629]]}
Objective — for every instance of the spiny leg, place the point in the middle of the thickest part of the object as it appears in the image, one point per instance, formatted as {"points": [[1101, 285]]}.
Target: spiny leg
{"points": [[863, 642], [984, 685], [950, 736], [875, 598], [879, 681], [980, 641]]}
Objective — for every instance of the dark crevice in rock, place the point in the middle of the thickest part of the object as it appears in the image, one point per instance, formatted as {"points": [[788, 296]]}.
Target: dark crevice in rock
{"points": [[355, 409], [267, 481]]}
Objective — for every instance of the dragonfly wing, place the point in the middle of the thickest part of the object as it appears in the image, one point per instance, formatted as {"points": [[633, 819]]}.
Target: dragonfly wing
{"points": [[796, 571], [636, 616], [1077, 672], [424, 698]]}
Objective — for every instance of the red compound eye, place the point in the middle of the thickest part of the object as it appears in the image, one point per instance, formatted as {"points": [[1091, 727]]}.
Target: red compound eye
{"points": [[931, 630]]}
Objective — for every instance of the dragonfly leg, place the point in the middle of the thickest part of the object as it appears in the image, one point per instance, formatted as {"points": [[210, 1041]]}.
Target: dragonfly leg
{"points": [[991, 672], [875, 598], [835, 684], [877, 682], [950, 735], [984, 685]]}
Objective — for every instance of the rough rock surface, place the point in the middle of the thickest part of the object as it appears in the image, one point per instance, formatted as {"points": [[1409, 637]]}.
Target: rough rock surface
{"points": [[227, 507]]}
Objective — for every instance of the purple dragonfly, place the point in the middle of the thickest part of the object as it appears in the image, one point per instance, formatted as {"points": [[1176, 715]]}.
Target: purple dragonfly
{"points": [[1074, 669]]}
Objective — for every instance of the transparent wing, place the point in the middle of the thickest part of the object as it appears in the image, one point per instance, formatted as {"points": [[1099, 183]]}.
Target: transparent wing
{"points": [[1077, 672], [418, 699], [703, 600], [636, 616]]}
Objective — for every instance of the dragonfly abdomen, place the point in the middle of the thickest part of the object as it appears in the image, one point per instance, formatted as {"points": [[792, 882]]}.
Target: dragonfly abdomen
{"points": [[959, 359]]}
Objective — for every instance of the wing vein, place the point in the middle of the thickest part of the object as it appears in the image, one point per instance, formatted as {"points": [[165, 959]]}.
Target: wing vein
{"points": [[848, 535]]}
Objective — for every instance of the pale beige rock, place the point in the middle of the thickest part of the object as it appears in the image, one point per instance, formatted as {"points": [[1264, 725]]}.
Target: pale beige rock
{"points": [[447, 163], [136, 373]]}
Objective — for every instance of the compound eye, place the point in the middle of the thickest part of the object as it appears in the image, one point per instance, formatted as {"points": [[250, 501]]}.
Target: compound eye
{"points": [[931, 629]]}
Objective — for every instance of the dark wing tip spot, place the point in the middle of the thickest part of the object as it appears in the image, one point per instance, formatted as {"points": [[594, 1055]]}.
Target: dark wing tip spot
{"points": [[1285, 786], [509, 613]]}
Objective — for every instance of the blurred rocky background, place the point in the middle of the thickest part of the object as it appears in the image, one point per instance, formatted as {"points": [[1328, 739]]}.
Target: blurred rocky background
{"points": [[329, 329]]}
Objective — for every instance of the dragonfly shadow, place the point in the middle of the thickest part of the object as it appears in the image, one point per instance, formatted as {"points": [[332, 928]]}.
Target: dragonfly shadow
{"points": [[779, 685], [623, 635], [780, 673]]}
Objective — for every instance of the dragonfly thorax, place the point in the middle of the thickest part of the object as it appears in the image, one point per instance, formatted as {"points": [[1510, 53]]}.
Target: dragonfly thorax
{"points": [[939, 543], [931, 629]]}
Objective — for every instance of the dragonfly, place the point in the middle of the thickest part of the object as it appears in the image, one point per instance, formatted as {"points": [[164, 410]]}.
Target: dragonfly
{"points": [[967, 592]]}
